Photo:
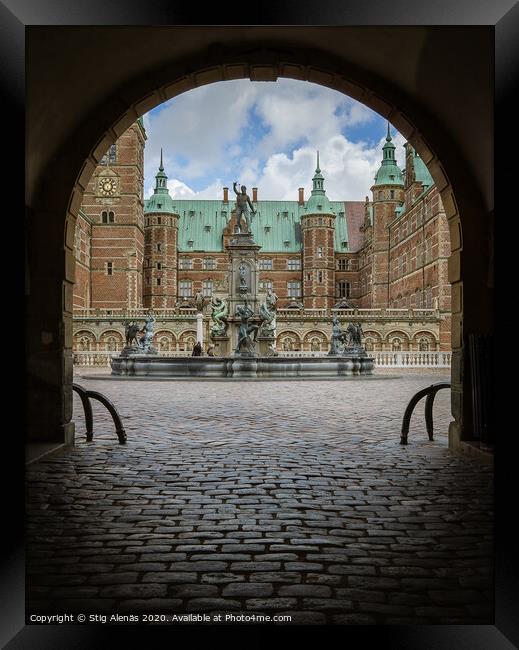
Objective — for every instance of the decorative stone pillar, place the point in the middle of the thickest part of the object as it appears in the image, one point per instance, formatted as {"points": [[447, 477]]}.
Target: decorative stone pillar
{"points": [[243, 279], [200, 328]]}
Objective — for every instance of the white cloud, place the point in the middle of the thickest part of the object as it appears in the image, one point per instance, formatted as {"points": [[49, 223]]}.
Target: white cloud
{"points": [[263, 135]]}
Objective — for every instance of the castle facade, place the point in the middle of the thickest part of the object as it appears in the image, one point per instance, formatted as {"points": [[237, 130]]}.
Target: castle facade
{"points": [[382, 261]]}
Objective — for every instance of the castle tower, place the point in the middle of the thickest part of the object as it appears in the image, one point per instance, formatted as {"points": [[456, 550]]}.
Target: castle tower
{"points": [[388, 194], [113, 204], [318, 231], [160, 246]]}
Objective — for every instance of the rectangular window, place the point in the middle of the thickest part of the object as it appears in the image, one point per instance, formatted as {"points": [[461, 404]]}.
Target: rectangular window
{"points": [[319, 252], [294, 289], [184, 289], [344, 289], [158, 282], [294, 264], [207, 288], [158, 248], [319, 277], [159, 265], [185, 263], [265, 265], [158, 221], [109, 268], [265, 285], [209, 264], [342, 265]]}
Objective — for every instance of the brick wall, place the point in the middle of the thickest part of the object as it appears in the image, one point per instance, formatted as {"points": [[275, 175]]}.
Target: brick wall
{"points": [[118, 234]]}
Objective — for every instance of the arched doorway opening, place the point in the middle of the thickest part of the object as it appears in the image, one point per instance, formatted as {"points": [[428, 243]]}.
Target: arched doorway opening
{"points": [[58, 190]]}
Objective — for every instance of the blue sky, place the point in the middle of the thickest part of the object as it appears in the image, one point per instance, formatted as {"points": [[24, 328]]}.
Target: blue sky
{"points": [[265, 135]]}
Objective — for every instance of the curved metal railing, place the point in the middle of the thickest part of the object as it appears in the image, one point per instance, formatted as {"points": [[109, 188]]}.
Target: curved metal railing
{"points": [[86, 396], [430, 392]]}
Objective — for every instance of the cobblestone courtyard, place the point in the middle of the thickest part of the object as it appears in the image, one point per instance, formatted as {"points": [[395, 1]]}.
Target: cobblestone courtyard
{"points": [[263, 497]]}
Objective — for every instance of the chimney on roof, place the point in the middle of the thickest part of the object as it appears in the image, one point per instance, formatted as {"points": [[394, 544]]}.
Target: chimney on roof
{"points": [[254, 194], [301, 196], [226, 195]]}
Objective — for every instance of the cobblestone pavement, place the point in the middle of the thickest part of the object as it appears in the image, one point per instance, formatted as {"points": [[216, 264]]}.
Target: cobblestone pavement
{"points": [[267, 498]]}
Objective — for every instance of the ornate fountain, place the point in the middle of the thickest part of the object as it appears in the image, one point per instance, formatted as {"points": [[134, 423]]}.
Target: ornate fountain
{"points": [[243, 331]]}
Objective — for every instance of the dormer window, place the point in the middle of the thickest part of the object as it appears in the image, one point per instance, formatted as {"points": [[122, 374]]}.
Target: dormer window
{"points": [[341, 214], [285, 215], [267, 229], [319, 207], [207, 227], [344, 244], [159, 205], [190, 243], [287, 243], [191, 213]]}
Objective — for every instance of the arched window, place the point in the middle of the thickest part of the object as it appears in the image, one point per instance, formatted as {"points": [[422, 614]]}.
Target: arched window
{"points": [[164, 344], [107, 216], [423, 345], [111, 344], [288, 344], [84, 344], [315, 344]]}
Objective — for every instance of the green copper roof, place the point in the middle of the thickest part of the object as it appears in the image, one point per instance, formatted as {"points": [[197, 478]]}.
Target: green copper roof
{"points": [[421, 172], [318, 202], [276, 226], [389, 173], [160, 201]]}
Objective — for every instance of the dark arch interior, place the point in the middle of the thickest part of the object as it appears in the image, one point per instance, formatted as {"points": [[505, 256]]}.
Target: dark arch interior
{"points": [[77, 109]]}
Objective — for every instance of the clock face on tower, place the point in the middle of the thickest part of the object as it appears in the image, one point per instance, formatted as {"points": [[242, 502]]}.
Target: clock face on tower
{"points": [[107, 186]]}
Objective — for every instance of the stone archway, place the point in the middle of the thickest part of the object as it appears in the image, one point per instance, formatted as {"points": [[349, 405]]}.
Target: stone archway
{"points": [[60, 168]]}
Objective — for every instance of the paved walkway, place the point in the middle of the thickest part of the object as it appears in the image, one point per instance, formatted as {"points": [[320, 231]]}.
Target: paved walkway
{"points": [[263, 498]]}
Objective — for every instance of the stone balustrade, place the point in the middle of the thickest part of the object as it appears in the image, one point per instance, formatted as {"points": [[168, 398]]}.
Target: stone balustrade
{"points": [[409, 359], [365, 314]]}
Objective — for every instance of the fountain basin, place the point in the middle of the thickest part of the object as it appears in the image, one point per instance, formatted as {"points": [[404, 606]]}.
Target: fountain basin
{"points": [[241, 366]]}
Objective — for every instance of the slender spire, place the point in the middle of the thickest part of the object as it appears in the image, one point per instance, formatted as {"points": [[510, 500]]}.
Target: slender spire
{"points": [[161, 178], [317, 168], [388, 136]]}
